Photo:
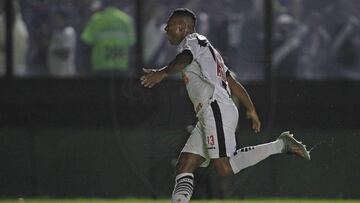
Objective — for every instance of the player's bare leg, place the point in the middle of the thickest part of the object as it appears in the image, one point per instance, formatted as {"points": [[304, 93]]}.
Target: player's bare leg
{"points": [[222, 166], [184, 181], [188, 163]]}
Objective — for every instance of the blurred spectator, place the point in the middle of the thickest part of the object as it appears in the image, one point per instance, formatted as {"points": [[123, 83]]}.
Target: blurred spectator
{"points": [[20, 41], [288, 36], [248, 58], [61, 50], [154, 48], [318, 39], [83, 10], [37, 14], [110, 33], [330, 48], [314, 50], [346, 41]]}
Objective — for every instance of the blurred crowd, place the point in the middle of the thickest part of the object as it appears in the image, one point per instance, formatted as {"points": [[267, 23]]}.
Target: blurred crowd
{"points": [[65, 38], [312, 40]]}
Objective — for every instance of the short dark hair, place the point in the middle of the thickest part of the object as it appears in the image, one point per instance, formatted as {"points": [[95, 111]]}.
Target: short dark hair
{"points": [[184, 12]]}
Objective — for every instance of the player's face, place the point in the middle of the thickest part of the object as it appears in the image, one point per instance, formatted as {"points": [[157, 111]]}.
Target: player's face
{"points": [[174, 31]]}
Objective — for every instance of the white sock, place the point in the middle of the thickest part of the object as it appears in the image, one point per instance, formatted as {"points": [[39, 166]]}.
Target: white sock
{"points": [[249, 156], [184, 186]]}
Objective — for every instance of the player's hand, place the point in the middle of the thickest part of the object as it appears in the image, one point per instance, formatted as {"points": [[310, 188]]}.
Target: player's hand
{"points": [[256, 124], [152, 77]]}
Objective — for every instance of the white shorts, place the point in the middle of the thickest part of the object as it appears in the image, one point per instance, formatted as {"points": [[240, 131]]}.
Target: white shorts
{"points": [[214, 134]]}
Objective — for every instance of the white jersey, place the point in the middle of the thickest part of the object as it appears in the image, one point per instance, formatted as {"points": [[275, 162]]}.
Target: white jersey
{"points": [[205, 76], [63, 39]]}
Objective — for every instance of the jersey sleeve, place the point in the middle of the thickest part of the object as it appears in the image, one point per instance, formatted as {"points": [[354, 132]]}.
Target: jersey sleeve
{"points": [[87, 35], [190, 44]]}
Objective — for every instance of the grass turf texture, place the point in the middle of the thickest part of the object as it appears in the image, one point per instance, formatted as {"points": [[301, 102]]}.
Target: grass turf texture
{"points": [[167, 201]]}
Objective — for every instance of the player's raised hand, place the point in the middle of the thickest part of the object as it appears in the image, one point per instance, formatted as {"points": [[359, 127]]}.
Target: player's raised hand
{"points": [[152, 77], [256, 124]]}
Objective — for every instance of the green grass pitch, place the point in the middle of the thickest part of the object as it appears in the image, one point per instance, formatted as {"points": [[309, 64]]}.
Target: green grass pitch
{"points": [[167, 201]]}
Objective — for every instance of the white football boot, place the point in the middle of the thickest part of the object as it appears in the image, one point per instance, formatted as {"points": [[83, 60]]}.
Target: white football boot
{"points": [[292, 146]]}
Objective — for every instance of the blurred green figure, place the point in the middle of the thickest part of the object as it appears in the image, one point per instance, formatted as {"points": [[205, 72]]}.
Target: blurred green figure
{"points": [[110, 32]]}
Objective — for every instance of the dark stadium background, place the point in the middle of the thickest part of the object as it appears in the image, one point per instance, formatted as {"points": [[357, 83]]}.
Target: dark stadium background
{"points": [[103, 135]]}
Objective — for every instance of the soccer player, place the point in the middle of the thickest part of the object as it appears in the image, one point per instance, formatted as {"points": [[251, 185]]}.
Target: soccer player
{"points": [[210, 86]]}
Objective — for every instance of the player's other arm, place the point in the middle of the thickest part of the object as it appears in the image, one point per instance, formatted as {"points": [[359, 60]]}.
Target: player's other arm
{"points": [[153, 76], [240, 92]]}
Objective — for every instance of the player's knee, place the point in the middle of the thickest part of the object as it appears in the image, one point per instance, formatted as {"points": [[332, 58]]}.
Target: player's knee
{"points": [[187, 163], [223, 168], [181, 166]]}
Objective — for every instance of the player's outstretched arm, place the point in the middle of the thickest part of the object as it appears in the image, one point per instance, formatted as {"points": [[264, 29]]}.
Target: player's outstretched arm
{"points": [[240, 92], [154, 76]]}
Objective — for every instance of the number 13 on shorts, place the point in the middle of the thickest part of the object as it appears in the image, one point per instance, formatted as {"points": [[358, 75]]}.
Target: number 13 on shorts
{"points": [[210, 141]]}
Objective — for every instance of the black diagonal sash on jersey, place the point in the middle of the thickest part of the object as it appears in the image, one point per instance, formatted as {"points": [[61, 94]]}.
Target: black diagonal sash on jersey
{"points": [[212, 53], [219, 128], [223, 83]]}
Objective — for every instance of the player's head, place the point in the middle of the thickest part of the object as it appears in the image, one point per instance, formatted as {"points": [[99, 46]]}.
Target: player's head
{"points": [[181, 22]]}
